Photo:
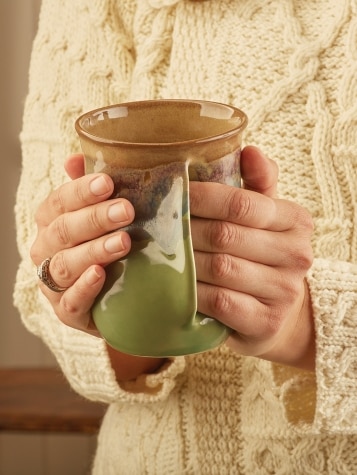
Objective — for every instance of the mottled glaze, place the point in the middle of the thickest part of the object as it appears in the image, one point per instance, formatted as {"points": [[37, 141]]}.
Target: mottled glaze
{"points": [[151, 149]]}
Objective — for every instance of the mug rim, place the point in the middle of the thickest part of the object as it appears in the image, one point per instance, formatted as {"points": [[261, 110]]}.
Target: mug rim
{"points": [[81, 131]]}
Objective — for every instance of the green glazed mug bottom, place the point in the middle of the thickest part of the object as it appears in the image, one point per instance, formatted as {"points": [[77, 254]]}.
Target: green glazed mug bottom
{"points": [[205, 334], [153, 310]]}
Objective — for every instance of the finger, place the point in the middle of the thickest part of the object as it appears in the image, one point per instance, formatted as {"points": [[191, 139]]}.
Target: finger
{"points": [[71, 229], [250, 319], [286, 249], [74, 228], [259, 173], [73, 307], [257, 327], [213, 236], [67, 266], [74, 166], [259, 280], [74, 195], [247, 208]]}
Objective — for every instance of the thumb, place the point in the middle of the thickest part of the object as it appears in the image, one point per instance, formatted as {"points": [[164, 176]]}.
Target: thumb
{"points": [[74, 166], [259, 173]]}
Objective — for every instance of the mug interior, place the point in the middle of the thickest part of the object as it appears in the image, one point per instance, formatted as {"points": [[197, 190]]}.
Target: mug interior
{"points": [[161, 122]]}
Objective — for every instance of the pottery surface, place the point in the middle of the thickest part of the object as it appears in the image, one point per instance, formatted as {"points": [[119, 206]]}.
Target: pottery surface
{"points": [[152, 149]]}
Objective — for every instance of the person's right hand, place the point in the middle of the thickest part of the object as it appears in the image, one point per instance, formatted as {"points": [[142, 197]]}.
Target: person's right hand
{"points": [[79, 229]]}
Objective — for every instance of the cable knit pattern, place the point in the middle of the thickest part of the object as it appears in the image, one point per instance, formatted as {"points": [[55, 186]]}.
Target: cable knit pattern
{"points": [[292, 66]]}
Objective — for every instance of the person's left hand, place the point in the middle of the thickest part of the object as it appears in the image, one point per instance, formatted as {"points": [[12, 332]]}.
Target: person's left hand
{"points": [[252, 253]]}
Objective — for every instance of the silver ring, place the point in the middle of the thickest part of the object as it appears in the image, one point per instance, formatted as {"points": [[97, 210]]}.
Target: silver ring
{"points": [[43, 273]]}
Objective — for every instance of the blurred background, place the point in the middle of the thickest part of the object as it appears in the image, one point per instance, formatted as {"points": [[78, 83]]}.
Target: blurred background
{"points": [[23, 453]]}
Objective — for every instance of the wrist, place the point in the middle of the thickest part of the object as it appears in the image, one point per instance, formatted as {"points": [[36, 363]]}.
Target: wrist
{"points": [[298, 350], [129, 367]]}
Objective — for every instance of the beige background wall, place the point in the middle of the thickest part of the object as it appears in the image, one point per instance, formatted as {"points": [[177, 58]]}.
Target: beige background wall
{"points": [[23, 454], [18, 20]]}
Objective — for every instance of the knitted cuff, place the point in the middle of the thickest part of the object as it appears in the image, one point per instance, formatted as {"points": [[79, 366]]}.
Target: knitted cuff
{"points": [[333, 287]]}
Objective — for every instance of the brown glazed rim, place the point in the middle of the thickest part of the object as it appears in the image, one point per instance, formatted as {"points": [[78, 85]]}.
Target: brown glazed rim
{"points": [[239, 128]]}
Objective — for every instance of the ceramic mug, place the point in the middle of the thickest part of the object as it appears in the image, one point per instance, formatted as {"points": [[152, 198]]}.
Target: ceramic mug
{"points": [[152, 149]]}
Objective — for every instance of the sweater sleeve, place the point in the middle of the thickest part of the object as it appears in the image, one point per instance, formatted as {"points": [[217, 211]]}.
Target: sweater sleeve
{"points": [[326, 401], [333, 286], [71, 71]]}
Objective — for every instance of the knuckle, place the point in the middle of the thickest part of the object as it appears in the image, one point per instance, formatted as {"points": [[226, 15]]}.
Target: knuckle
{"points": [[59, 268], [302, 257], [222, 235], [240, 205], [94, 251], [94, 219], [69, 311], [301, 253], [221, 302], [80, 192], [61, 230], [221, 266], [55, 201], [305, 258]]}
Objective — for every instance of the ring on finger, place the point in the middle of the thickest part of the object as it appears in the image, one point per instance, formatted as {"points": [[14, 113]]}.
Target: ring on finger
{"points": [[43, 273]]}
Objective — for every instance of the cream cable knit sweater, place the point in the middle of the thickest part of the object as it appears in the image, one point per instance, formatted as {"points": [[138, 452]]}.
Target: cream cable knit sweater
{"points": [[292, 66]]}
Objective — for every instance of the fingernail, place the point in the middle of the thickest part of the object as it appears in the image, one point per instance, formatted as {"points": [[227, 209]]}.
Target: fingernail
{"points": [[115, 244], [99, 186], [117, 213], [92, 276]]}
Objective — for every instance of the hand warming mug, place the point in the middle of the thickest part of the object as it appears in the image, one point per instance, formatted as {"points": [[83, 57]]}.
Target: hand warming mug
{"points": [[151, 149]]}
